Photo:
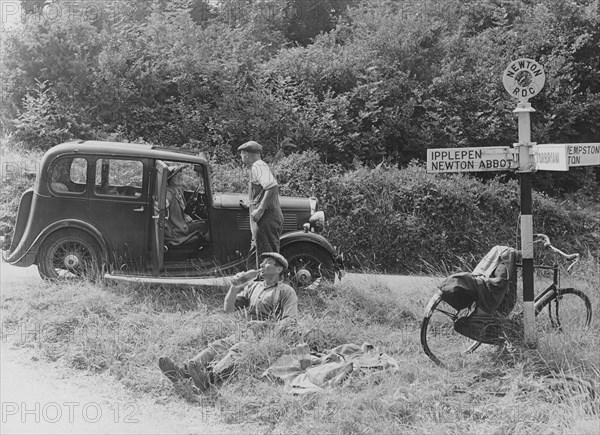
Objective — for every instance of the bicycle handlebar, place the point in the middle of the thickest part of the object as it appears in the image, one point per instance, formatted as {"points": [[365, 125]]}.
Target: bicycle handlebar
{"points": [[569, 257]]}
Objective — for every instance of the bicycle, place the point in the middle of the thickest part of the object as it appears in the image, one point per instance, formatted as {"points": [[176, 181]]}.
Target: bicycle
{"points": [[567, 309]]}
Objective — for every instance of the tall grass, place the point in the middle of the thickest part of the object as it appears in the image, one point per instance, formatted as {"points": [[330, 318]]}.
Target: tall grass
{"points": [[122, 329]]}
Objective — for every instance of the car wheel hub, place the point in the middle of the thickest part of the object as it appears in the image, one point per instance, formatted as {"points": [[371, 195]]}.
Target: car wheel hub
{"points": [[71, 261], [303, 276]]}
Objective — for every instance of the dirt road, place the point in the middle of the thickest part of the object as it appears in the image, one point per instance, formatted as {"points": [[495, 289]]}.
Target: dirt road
{"points": [[43, 398]]}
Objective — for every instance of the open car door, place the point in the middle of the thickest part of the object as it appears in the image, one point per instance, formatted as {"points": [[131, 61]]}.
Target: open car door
{"points": [[159, 201]]}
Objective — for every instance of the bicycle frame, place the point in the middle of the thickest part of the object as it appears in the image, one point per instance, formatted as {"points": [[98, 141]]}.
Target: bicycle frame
{"points": [[552, 288], [553, 291]]}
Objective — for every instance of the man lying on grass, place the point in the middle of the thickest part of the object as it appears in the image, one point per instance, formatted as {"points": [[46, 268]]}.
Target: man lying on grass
{"points": [[260, 302]]}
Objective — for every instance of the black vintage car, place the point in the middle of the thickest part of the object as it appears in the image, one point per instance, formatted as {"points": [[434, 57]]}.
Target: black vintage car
{"points": [[101, 207]]}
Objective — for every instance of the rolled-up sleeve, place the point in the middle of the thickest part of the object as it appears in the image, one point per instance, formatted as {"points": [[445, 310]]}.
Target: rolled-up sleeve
{"points": [[261, 174]]}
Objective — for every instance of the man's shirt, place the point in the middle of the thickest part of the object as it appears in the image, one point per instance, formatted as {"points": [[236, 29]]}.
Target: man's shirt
{"points": [[275, 302], [261, 179]]}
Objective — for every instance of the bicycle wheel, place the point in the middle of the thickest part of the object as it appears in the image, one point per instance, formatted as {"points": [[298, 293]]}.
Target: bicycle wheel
{"points": [[568, 310], [445, 346]]}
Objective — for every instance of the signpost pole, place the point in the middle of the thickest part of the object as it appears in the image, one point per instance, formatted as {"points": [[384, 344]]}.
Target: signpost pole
{"points": [[525, 168], [523, 79]]}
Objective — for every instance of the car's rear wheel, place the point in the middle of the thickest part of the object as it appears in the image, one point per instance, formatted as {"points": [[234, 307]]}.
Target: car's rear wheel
{"points": [[309, 265], [70, 254]]}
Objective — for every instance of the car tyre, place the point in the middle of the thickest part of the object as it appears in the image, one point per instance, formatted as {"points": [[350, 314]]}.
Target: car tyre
{"points": [[310, 265], [70, 254]]}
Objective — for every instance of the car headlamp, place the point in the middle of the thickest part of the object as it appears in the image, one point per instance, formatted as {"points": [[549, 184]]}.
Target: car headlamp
{"points": [[313, 204], [317, 221]]}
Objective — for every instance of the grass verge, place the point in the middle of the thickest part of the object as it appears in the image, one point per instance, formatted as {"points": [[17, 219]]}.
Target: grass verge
{"points": [[122, 329]]}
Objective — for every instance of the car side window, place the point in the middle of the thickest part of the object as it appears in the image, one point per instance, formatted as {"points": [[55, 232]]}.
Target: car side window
{"points": [[68, 175], [117, 177]]}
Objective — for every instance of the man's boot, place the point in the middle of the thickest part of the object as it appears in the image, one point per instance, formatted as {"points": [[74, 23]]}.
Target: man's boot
{"points": [[172, 370]]}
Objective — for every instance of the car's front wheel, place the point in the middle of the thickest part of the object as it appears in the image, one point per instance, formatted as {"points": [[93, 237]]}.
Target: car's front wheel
{"points": [[309, 265], [69, 254]]}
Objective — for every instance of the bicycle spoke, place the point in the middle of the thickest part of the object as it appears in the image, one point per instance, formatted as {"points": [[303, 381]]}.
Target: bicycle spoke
{"points": [[440, 340], [452, 315]]}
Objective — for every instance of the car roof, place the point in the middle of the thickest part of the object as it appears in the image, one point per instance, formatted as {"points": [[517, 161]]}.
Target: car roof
{"points": [[123, 149]]}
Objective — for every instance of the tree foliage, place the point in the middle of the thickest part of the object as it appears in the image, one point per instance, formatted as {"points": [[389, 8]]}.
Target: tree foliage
{"points": [[377, 80]]}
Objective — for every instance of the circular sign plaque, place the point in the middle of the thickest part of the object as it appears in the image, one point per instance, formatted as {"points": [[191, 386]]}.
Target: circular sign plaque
{"points": [[523, 79]]}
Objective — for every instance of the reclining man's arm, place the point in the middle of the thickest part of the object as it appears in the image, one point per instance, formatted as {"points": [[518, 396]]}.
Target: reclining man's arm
{"points": [[230, 297]]}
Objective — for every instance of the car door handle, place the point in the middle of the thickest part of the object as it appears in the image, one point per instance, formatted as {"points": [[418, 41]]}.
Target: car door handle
{"points": [[139, 209]]}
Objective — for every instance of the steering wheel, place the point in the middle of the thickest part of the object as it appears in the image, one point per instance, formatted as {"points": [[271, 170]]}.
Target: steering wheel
{"points": [[196, 205]]}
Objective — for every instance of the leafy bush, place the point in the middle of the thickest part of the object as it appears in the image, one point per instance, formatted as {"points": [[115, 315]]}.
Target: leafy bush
{"points": [[408, 221], [302, 174], [229, 177], [298, 174], [40, 125]]}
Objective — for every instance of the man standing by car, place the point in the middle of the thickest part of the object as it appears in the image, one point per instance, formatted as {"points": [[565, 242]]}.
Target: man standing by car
{"points": [[266, 218], [263, 303]]}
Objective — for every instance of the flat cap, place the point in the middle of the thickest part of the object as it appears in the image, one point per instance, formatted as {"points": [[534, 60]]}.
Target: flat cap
{"points": [[277, 257], [251, 146]]}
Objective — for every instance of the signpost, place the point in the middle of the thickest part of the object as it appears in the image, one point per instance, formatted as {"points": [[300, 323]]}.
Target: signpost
{"points": [[583, 154], [550, 157], [522, 79], [562, 156], [471, 159]]}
